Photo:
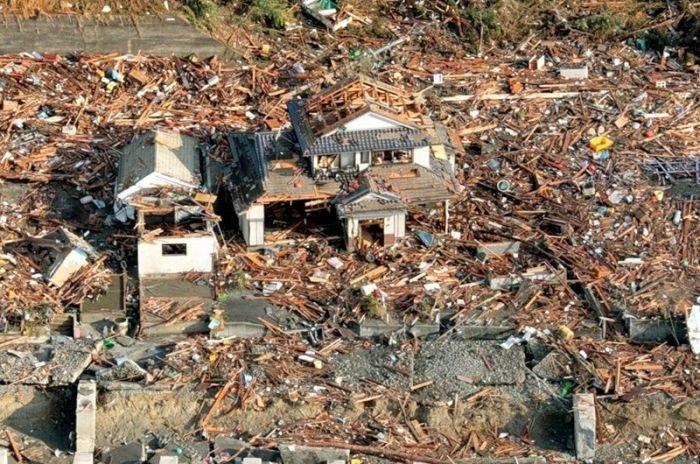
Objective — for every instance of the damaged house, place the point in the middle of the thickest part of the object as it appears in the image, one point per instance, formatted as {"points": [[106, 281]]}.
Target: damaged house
{"points": [[161, 186], [361, 148]]}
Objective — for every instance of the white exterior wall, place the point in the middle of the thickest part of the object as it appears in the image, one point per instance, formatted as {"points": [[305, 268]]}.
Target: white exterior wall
{"points": [[252, 223], [352, 227], [421, 156], [153, 180], [201, 251], [368, 121], [358, 161], [395, 225]]}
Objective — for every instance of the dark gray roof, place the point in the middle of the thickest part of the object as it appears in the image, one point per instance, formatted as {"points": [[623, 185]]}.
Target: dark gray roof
{"points": [[369, 140], [351, 141], [246, 177], [368, 200], [267, 167]]}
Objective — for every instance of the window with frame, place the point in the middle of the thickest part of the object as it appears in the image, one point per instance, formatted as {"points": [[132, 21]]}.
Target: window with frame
{"points": [[174, 249]]}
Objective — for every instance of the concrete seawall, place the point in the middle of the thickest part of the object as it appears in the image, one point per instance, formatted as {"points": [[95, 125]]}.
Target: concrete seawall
{"points": [[65, 34]]}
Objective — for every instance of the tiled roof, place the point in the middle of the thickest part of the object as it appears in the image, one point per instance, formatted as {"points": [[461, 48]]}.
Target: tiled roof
{"points": [[267, 167], [368, 198], [314, 118], [354, 141]]}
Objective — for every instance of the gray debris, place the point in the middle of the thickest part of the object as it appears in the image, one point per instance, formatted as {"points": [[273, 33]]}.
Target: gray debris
{"points": [[454, 364], [296, 454]]}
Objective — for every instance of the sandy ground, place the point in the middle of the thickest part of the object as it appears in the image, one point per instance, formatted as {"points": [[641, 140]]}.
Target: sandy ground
{"points": [[514, 405]]}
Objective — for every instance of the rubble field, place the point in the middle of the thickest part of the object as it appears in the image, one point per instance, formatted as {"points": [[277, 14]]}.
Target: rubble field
{"points": [[546, 309]]}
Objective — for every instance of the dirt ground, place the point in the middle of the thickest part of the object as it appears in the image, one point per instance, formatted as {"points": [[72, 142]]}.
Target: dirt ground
{"points": [[510, 405], [38, 417]]}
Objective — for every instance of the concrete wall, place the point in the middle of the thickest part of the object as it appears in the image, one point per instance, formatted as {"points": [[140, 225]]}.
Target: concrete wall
{"points": [[85, 411], [394, 228], [252, 223], [199, 257], [421, 156], [110, 33], [368, 121]]}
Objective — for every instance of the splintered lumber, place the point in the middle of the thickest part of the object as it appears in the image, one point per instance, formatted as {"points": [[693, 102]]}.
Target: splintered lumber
{"points": [[421, 385], [369, 275], [14, 446], [219, 398]]}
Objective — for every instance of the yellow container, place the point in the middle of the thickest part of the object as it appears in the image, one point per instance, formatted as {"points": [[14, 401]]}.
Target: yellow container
{"points": [[599, 144], [565, 332]]}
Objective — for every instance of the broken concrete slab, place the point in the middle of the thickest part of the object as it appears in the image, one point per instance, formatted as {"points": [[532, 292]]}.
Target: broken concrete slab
{"points": [[538, 274], [552, 367], [164, 459], [488, 250], [85, 417], [3, 456], [656, 330], [574, 72], [132, 453], [50, 364], [298, 454], [485, 332], [71, 360], [584, 426], [374, 328], [242, 330], [229, 445]]}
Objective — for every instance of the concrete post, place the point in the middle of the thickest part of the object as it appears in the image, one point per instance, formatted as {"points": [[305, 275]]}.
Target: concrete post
{"points": [[85, 412], [584, 426]]}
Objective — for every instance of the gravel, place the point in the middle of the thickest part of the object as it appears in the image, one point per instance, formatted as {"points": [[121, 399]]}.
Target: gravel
{"points": [[477, 363]]}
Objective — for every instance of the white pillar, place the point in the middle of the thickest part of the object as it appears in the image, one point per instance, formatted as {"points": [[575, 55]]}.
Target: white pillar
{"points": [[85, 416], [584, 426]]}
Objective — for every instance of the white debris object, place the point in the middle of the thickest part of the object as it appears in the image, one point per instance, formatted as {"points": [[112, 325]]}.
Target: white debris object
{"points": [[368, 289], [693, 325]]}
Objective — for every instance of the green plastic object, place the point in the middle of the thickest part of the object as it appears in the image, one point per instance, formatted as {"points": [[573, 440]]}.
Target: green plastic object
{"points": [[108, 343], [566, 388], [327, 5], [355, 53]]}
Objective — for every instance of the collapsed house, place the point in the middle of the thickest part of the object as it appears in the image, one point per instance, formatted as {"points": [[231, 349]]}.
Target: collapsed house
{"points": [[360, 147], [160, 185]]}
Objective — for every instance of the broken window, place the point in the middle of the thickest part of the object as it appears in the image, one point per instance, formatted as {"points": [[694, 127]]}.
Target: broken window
{"points": [[364, 159], [174, 249]]}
